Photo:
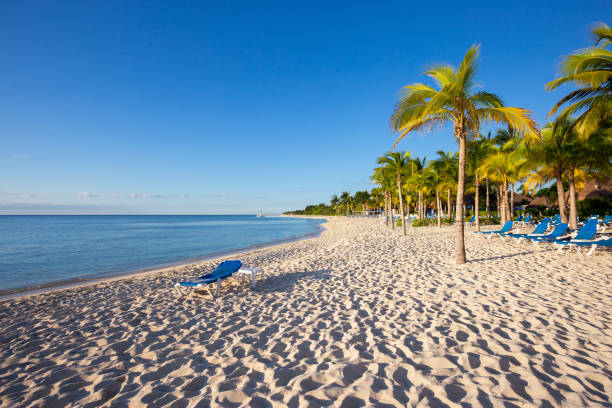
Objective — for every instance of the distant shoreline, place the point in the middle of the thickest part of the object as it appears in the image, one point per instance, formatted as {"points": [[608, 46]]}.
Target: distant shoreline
{"points": [[78, 282]]}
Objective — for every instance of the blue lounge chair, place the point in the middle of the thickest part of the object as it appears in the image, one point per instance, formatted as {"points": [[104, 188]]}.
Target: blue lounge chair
{"points": [[223, 271], [539, 230], [526, 221], [594, 244], [605, 223], [585, 234], [504, 229], [472, 220], [556, 233]]}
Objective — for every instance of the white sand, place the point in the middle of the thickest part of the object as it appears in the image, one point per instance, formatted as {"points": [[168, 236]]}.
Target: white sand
{"points": [[359, 317]]}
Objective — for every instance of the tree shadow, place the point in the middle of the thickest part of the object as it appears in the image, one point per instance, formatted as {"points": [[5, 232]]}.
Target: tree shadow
{"points": [[506, 256], [286, 281]]}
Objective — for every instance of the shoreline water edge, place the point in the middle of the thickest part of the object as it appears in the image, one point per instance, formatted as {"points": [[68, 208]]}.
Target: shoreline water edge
{"points": [[33, 290]]}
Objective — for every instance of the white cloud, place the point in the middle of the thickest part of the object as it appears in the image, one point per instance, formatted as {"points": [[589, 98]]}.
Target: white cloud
{"points": [[18, 195], [85, 194]]}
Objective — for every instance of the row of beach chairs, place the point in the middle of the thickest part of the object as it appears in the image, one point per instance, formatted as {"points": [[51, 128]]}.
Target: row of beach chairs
{"points": [[585, 240]]}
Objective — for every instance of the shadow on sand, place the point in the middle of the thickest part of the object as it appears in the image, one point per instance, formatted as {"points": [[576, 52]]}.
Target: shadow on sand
{"points": [[286, 281]]}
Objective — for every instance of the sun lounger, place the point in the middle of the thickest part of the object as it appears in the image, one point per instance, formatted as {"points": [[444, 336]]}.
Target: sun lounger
{"points": [[526, 221], [594, 244], [539, 230], [504, 229], [556, 233], [585, 234], [472, 220], [223, 271], [605, 223]]}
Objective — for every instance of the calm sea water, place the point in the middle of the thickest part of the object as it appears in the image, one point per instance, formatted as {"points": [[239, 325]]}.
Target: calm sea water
{"points": [[41, 250]]}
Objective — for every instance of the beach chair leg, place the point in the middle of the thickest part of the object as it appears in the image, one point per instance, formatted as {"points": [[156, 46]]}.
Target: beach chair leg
{"points": [[218, 287], [592, 250], [182, 292], [559, 248]]}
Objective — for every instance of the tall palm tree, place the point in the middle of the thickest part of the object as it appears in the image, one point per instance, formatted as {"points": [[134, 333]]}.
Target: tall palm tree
{"points": [[591, 70], [422, 107], [398, 163]]}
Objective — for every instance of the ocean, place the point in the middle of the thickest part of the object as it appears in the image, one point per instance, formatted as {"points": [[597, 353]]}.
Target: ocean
{"points": [[48, 250]]}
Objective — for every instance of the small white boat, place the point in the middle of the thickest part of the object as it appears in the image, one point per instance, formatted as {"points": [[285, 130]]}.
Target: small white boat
{"points": [[260, 214]]}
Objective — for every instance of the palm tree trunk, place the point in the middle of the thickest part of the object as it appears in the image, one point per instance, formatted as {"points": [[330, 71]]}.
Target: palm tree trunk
{"points": [[487, 188], [476, 205], [386, 211], [448, 201], [420, 211], [399, 192], [511, 200], [561, 194], [460, 255], [572, 198], [438, 202], [499, 205], [507, 201]]}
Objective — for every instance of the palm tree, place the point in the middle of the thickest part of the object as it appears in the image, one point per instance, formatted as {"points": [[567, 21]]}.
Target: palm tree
{"points": [[434, 176], [417, 181], [500, 166], [422, 107], [448, 164], [399, 163], [384, 177], [553, 158], [335, 202], [345, 199], [591, 70], [377, 198], [478, 150]]}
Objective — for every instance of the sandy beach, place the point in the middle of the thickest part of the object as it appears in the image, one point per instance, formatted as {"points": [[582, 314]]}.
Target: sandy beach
{"points": [[360, 316]]}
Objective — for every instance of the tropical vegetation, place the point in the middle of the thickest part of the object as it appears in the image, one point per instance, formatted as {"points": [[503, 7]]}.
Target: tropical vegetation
{"points": [[553, 162]]}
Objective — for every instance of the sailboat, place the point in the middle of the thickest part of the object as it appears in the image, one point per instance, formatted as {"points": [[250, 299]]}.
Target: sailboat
{"points": [[260, 214]]}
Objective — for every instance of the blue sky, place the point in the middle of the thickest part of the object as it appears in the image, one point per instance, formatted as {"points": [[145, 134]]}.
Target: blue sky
{"points": [[181, 107]]}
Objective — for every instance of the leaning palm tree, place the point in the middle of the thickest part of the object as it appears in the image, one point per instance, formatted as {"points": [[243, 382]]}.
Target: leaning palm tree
{"points": [[591, 70], [398, 163], [422, 107]]}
